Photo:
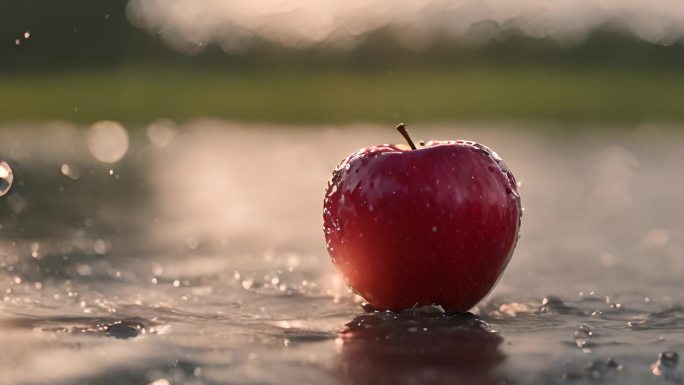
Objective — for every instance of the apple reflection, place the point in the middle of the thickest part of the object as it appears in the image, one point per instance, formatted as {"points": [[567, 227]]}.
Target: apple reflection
{"points": [[422, 346]]}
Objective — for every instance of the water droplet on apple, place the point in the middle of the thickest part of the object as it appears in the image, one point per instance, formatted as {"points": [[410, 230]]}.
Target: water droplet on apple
{"points": [[434, 229], [6, 178]]}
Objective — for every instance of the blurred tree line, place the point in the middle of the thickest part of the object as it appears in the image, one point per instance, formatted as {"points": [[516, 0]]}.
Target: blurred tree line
{"points": [[78, 34]]}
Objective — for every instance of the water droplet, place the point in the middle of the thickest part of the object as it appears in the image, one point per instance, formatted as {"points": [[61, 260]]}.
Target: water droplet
{"points": [[161, 381], [108, 141], [6, 178], [27, 34], [35, 250], [70, 171], [100, 247], [84, 270], [434, 229], [123, 329]]}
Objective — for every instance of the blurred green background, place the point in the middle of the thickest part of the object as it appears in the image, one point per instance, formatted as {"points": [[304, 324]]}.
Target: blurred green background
{"points": [[82, 61]]}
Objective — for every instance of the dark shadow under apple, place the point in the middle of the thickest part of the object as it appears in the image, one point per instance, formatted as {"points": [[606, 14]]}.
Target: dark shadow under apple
{"points": [[419, 346]]}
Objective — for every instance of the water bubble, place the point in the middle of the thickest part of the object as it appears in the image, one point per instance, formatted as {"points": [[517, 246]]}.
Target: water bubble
{"points": [[6, 178], [108, 141]]}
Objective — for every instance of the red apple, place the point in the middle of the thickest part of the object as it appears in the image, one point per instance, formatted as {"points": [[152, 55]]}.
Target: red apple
{"points": [[413, 227]]}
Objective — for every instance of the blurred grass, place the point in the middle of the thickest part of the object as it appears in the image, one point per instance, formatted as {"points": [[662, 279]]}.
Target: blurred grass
{"points": [[138, 94]]}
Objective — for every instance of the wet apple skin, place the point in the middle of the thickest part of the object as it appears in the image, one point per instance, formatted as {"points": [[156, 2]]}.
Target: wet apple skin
{"points": [[436, 225]]}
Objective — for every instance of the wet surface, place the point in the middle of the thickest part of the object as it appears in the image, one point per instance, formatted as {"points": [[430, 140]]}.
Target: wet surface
{"points": [[199, 258]]}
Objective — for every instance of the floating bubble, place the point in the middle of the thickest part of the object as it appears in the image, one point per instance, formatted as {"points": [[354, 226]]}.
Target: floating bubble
{"points": [[108, 141], [6, 178]]}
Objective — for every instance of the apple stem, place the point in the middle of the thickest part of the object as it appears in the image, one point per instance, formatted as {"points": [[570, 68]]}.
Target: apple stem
{"points": [[402, 130]]}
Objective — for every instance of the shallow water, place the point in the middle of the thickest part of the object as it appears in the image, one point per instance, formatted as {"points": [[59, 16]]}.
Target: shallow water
{"points": [[199, 259]]}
